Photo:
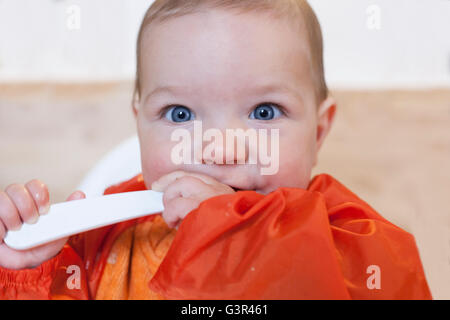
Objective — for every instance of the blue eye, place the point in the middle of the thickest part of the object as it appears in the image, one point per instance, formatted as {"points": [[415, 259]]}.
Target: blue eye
{"points": [[266, 111], [179, 114]]}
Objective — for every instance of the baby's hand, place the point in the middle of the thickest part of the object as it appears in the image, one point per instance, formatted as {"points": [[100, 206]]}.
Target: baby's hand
{"points": [[25, 203], [184, 191]]}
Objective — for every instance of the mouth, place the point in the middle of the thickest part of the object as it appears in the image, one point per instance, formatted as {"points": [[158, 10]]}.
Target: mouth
{"points": [[239, 189]]}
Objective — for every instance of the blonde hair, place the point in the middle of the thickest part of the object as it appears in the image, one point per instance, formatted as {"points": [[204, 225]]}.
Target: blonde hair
{"points": [[295, 10]]}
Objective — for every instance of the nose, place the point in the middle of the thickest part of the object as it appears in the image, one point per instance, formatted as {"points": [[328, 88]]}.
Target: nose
{"points": [[222, 145]]}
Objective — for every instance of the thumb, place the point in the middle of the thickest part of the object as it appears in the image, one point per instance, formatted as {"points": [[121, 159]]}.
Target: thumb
{"points": [[77, 195]]}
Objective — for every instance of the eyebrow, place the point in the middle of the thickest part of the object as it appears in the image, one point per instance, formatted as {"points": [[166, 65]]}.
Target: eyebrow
{"points": [[165, 89], [171, 90], [277, 88], [257, 90]]}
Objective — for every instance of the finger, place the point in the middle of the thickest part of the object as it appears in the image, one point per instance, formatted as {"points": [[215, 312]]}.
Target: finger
{"points": [[40, 195], [162, 183], [188, 187], [2, 232], [24, 202], [8, 213], [177, 209], [77, 195]]}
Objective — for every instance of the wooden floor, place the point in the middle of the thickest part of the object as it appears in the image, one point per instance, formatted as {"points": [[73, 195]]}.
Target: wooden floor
{"points": [[392, 148]]}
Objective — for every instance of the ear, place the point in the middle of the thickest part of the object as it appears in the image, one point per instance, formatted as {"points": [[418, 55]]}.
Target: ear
{"points": [[326, 114]]}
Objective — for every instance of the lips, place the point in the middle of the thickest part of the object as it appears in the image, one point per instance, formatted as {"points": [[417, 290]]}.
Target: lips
{"points": [[241, 186], [241, 189]]}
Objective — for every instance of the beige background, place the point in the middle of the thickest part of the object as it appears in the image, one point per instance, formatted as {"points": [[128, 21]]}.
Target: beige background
{"points": [[392, 148]]}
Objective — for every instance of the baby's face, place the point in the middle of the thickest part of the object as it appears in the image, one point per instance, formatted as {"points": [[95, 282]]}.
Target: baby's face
{"points": [[229, 71]]}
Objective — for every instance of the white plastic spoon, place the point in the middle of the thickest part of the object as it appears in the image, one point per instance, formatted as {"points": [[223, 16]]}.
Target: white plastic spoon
{"points": [[72, 217]]}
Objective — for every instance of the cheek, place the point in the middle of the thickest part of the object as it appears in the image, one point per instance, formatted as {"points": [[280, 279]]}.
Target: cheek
{"points": [[155, 149], [297, 154]]}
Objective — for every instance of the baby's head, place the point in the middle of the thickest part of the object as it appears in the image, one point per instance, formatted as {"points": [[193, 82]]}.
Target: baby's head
{"points": [[232, 64]]}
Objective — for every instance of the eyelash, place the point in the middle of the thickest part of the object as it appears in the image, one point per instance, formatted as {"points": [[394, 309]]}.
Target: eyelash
{"points": [[163, 111], [281, 108]]}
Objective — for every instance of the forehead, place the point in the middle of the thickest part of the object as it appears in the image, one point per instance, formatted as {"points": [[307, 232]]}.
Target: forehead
{"points": [[223, 49]]}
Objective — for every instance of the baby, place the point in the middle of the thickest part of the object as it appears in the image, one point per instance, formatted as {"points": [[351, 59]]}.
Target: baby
{"points": [[228, 230]]}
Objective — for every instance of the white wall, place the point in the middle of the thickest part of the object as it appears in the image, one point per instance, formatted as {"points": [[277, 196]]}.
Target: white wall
{"points": [[39, 40], [411, 48]]}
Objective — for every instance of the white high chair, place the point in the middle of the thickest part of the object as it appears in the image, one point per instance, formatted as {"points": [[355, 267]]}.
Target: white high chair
{"points": [[120, 164]]}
